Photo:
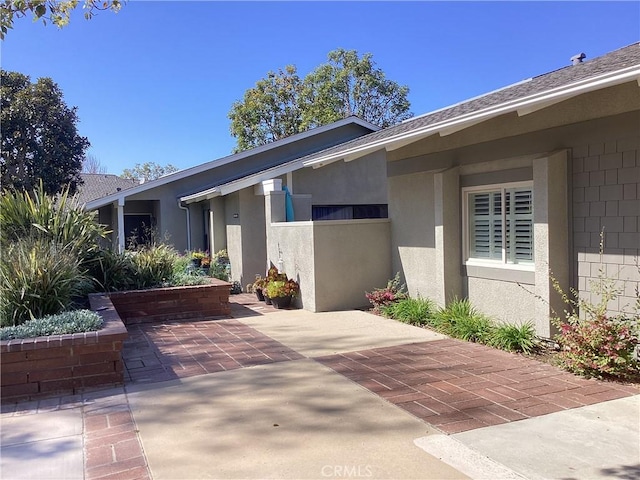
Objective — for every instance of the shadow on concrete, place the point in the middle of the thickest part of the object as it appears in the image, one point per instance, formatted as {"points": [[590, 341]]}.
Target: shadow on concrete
{"points": [[625, 472]]}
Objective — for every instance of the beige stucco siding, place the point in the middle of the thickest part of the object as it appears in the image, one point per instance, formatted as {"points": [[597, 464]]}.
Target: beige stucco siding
{"points": [[335, 262], [412, 232], [598, 157], [345, 183], [505, 301]]}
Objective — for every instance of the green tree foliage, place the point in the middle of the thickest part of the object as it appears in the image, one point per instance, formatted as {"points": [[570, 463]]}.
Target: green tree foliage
{"points": [[282, 104], [148, 171], [57, 12], [351, 85], [40, 140], [269, 111]]}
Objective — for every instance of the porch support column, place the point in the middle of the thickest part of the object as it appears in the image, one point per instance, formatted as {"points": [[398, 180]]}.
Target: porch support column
{"points": [[274, 211], [448, 246], [217, 225], [290, 182], [551, 236], [121, 239]]}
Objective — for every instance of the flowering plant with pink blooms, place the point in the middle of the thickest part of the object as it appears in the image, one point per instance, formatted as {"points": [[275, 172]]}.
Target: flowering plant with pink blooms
{"points": [[599, 347], [593, 341], [381, 297]]}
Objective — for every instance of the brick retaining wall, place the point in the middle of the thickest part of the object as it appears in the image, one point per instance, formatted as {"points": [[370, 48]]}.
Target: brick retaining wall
{"points": [[64, 364], [67, 364], [173, 303]]}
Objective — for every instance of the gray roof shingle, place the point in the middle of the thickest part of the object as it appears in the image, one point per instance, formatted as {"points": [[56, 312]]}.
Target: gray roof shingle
{"points": [[98, 185], [622, 58]]}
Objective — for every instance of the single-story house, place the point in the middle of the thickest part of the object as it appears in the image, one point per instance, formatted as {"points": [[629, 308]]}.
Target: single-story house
{"points": [[493, 197], [221, 205]]}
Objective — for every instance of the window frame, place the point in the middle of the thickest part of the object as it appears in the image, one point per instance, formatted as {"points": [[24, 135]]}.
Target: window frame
{"points": [[466, 233]]}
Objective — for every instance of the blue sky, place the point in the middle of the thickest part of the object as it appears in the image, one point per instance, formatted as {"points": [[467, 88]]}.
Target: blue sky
{"points": [[156, 81]]}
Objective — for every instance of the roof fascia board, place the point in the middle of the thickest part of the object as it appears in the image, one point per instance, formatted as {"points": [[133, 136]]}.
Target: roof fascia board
{"points": [[117, 199], [564, 92], [228, 159], [245, 182], [258, 178]]}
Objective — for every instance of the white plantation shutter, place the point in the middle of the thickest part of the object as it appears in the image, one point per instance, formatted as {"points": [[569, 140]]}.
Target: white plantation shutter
{"points": [[519, 214], [488, 212]]}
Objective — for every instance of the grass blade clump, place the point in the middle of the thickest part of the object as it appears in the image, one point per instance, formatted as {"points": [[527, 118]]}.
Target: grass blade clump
{"points": [[514, 338], [414, 311]]}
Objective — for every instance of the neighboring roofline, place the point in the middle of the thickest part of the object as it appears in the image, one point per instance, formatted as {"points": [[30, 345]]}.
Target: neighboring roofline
{"points": [[244, 182], [179, 175], [523, 106]]}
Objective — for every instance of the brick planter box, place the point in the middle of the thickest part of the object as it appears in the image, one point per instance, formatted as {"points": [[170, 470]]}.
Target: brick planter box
{"points": [[38, 367], [197, 302], [64, 364]]}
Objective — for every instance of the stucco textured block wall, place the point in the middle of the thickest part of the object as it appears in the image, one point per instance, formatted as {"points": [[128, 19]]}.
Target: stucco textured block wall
{"points": [[335, 262], [606, 204]]}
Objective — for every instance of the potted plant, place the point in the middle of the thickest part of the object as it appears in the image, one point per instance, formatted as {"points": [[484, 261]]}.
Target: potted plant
{"points": [[273, 275], [196, 258], [258, 287], [281, 292]]}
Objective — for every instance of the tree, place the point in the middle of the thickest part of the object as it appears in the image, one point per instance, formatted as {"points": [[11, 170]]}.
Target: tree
{"points": [[57, 12], [147, 171], [348, 85], [269, 111], [40, 140], [282, 104], [91, 164]]}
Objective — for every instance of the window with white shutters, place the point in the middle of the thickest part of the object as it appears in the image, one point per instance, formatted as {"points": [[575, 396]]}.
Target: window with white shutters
{"points": [[499, 224]]}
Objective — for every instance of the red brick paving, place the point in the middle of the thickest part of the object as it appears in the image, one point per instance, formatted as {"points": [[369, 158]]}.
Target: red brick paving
{"points": [[459, 386], [112, 449], [155, 353]]}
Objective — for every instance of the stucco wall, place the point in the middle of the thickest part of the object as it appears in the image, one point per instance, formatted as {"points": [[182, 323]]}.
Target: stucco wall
{"points": [[290, 247], [234, 234], [413, 236], [171, 220], [601, 191], [334, 262], [362, 181], [351, 258], [253, 237], [505, 301]]}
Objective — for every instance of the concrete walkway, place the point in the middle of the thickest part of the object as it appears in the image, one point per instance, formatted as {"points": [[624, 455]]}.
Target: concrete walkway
{"points": [[291, 394]]}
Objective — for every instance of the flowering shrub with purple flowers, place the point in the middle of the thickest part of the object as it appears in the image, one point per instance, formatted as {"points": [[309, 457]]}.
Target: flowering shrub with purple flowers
{"points": [[381, 297]]}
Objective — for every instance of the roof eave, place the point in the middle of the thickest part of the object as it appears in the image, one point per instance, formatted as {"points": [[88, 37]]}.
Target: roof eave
{"points": [[236, 185], [522, 106], [179, 175]]}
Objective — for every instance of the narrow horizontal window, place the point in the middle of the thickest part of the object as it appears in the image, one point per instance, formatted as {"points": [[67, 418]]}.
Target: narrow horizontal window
{"points": [[349, 212]]}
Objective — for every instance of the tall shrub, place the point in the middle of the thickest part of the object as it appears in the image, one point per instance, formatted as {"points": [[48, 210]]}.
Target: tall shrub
{"points": [[37, 278], [45, 242], [60, 219], [154, 265]]}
